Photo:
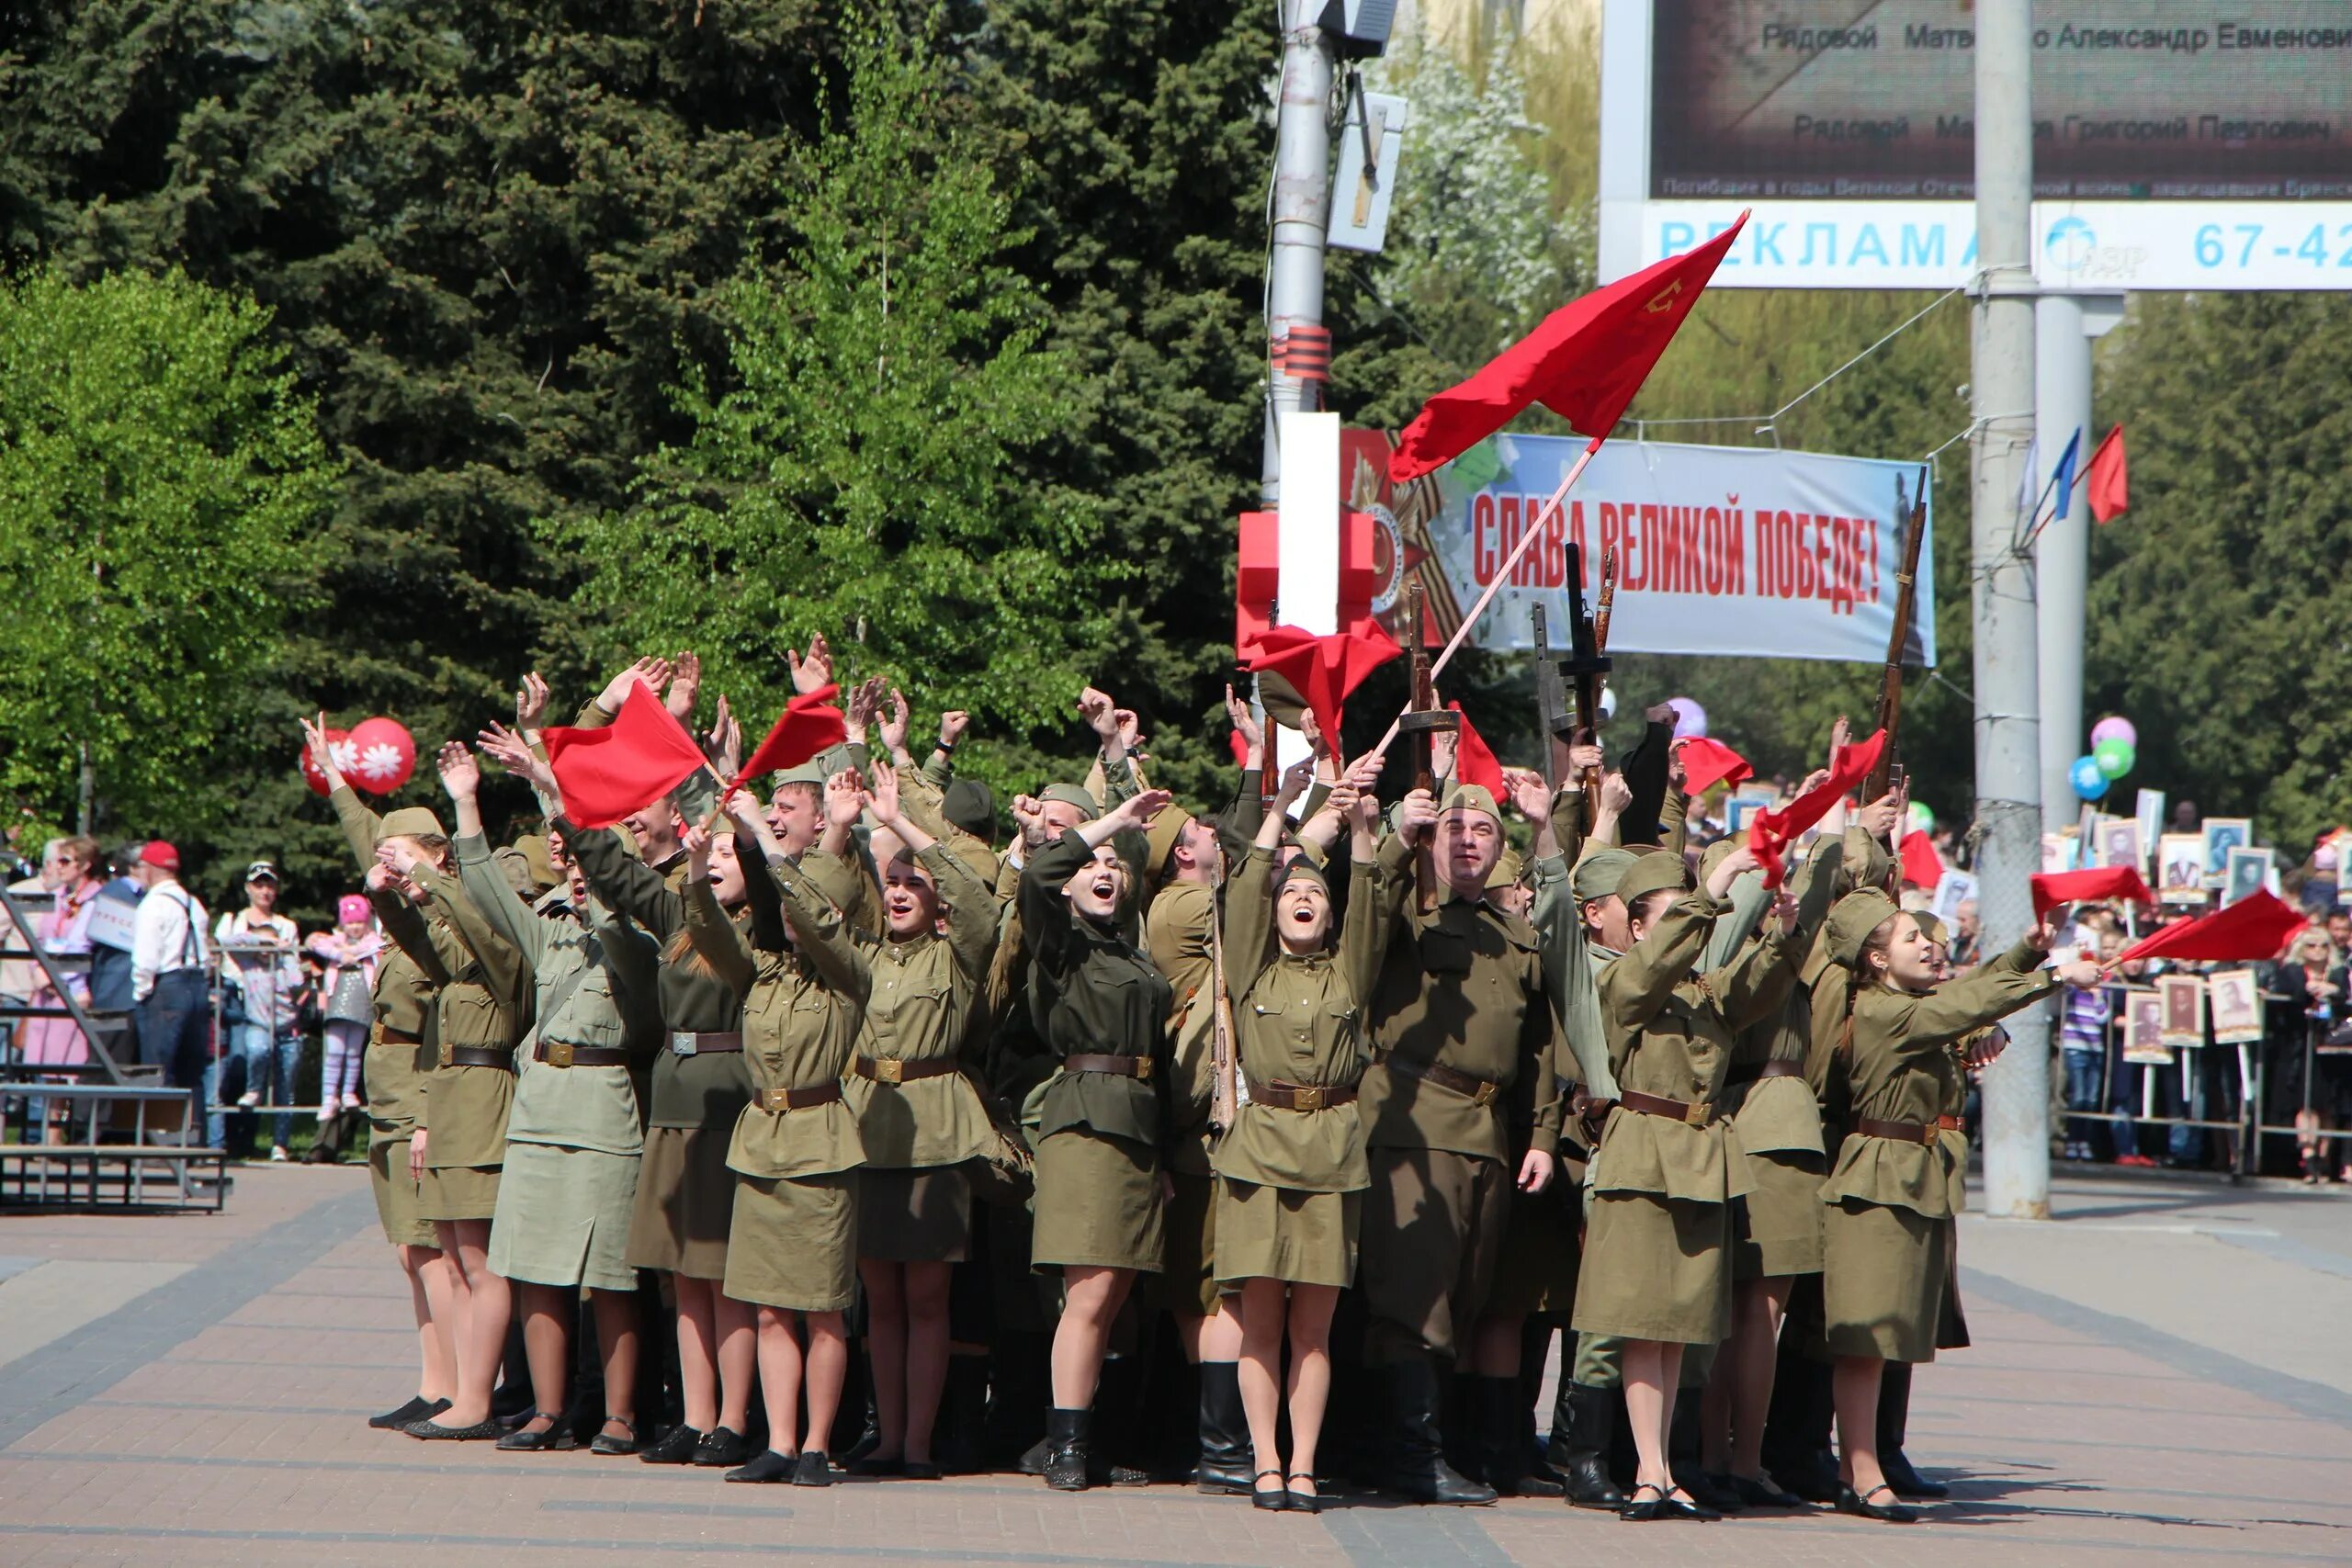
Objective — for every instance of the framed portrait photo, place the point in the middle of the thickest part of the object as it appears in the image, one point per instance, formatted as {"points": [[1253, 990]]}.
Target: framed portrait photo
{"points": [[2235, 997], [2119, 843], [2245, 873], [2180, 868], [2224, 834], [2144, 1026], [1952, 889], [2182, 1020]]}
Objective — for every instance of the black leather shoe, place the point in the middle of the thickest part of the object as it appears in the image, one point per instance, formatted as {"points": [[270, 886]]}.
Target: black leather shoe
{"points": [[770, 1466], [721, 1447], [679, 1445], [1581, 1456], [1275, 1501], [1894, 1420], [432, 1432], [1707, 1491], [1066, 1434], [812, 1469], [1644, 1504], [1761, 1492], [1813, 1478], [877, 1468], [612, 1447], [920, 1470], [1907, 1481], [1889, 1512], [1414, 1467], [1303, 1501], [1680, 1504], [555, 1438], [417, 1409]]}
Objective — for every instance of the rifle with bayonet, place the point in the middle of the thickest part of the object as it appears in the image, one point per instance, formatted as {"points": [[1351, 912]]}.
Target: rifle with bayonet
{"points": [[1422, 722], [1898, 642], [1551, 705]]}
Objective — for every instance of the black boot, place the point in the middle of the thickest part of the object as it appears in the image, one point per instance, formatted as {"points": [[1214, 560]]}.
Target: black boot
{"points": [[958, 1440], [1414, 1467], [1225, 1433], [1067, 1440], [1503, 1423], [1682, 1456], [1803, 1462], [1118, 1396], [1893, 1417], [1583, 1421]]}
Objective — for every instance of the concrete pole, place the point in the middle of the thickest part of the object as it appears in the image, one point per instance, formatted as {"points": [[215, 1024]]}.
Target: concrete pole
{"points": [[2008, 759], [2062, 405], [1302, 206]]}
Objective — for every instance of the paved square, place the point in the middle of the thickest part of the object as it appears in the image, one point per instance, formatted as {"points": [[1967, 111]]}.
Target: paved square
{"points": [[2164, 1375]]}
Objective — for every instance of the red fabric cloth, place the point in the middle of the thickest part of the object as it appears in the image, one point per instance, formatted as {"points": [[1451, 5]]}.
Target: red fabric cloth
{"points": [[1322, 670], [2108, 483], [1473, 760], [1922, 867], [1706, 763], [1584, 362], [627, 766], [1240, 748], [2053, 888], [808, 726], [2253, 929], [1771, 832]]}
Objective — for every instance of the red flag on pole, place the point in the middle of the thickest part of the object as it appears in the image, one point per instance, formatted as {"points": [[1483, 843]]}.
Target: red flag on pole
{"points": [[1706, 763], [1323, 671], [1584, 362], [1771, 832], [2108, 483], [1922, 867], [808, 726], [1473, 760], [627, 766], [2053, 888], [2250, 931]]}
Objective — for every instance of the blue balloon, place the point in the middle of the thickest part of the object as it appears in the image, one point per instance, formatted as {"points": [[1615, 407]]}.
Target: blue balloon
{"points": [[2084, 776]]}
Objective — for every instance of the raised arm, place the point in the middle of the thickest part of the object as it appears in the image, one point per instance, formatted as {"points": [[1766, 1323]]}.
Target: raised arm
{"points": [[713, 935], [505, 971], [820, 934], [1986, 995], [404, 924], [1365, 927]]}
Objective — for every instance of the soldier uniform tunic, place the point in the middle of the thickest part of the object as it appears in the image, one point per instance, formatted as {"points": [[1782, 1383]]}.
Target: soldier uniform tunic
{"points": [[400, 1044]]}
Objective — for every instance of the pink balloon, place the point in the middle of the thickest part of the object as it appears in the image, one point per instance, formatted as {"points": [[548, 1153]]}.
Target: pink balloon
{"points": [[1689, 718], [2114, 727], [383, 756]]}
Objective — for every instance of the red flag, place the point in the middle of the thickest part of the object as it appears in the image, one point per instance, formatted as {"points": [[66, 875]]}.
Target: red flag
{"points": [[808, 726], [1706, 763], [2109, 482], [1473, 760], [2255, 928], [1584, 362], [1323, 671], [1769, 832], [2055, 888], [627, 766], [1922, 866]]}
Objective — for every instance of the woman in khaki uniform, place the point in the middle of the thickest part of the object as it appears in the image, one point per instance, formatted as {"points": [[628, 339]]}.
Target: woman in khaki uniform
{"points": [[1889, 1196], [1291, 1171], [792, 1247], [399, 1056], [1102, 1010], [1657, 1268], [918, 1118], [460, 1139]]}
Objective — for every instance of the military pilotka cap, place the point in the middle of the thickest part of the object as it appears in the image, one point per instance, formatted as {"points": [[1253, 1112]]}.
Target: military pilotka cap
{"points": [[1598, 873], [1159, 838], [1933, 928], [806, 773], [969, 804], [1070, 795], [1652, 874], [1852, 919], [410, 822], [1301, 867], [1471, 797]]}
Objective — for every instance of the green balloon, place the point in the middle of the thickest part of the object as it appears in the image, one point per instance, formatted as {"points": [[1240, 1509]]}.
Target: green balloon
{"points": [[2114, 756]]}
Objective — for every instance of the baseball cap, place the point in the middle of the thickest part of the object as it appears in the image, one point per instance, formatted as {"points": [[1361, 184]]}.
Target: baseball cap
{"points": [[158, 854], [261, 871]]}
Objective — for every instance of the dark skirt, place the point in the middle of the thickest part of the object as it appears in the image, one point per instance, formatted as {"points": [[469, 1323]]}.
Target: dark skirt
{"points": [[1776, 1228], [793, 1244], [1275, 1233], [1098, 1204], [914, 1217], [685, 1203]]}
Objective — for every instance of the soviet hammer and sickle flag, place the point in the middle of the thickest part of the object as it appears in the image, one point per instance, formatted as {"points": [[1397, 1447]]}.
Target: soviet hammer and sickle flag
{"points": [[1585, 363]]}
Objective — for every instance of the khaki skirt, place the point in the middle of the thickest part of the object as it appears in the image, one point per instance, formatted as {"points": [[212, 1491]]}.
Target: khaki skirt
{"points": [[1951, 1320], [1537, 1269], [1277, 1232], [563, 1217], [685, 1202], [459, 1192], [1655, 1268], [1776, 1229], [1098, 1204], [793, 1244], [397, 1205], [914, 1217], [1190, 1279], [1882, 1280]]}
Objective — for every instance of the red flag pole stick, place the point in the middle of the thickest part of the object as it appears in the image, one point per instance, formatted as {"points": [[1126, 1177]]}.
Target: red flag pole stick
{"points": [[1502, 575]]}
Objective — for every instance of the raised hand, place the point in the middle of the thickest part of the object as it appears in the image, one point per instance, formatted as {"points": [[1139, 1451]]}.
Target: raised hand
{"points": [[1841, 735], [724, 744], [952, 725], [864, 699], [1417, 816], [1528, 793], [1294, 782], [508, 750], [653, 672], [1029, 816], [1879, 817], [459, 776], [1584, 757], [1137, 810], [1130, 731], [685, 685], [894, 724], [1244, 723], [845, 798], [815, 672], [315, 736], [885, 789], [1616, 795], [1101, 716], [531, 702], [1312, 728]]}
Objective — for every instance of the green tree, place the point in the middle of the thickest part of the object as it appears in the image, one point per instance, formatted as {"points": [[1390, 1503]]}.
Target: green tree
{"points": [[158, 470]]}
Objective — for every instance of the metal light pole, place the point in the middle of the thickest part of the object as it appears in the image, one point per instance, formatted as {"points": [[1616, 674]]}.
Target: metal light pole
{"points": [[2008, 761], [1301, 203]]}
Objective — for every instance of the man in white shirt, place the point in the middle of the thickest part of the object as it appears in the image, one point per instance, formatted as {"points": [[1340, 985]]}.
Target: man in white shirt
{"points": [[167, 958]]}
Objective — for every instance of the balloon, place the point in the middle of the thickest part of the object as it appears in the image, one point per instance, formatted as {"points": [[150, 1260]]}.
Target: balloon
{"points": [[1923, 817], [384, 755], [1689, 718], [2088, 780], [2114, 756], [340, 748], [2114, 727]]}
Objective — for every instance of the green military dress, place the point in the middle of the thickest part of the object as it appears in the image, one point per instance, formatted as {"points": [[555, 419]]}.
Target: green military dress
{"points": [[480, 1009], [1099, 1133], [1658, 1248], [795, 1151], [1889, 1200], [400, 1044], [1291, 1180], [914, 1199]]}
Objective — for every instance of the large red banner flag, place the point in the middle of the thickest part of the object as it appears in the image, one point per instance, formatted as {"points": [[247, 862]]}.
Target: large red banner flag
{"points": [[1771, 832], [1322, 670], [626, 766], [1584, 362], [2250, 931], [2051, 888], [2110, 480]]}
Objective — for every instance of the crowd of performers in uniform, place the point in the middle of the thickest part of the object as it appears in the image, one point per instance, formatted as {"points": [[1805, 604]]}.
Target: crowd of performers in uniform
{"points": [[1049, 1151]]}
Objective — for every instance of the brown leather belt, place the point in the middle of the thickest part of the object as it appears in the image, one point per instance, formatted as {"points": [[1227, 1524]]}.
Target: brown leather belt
{"points": [[560, 1054], [1906, 1131], [897, 1069], [1300, 1095], [476, 1056], [1126, 1067], [385, 1034], [687, 1043], [1777, 1067], [1478, 1091], [1691, 1113], [774, 1100]]}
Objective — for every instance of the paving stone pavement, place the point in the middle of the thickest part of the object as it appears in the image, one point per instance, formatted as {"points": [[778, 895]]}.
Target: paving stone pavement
{"points": [[2161, 1376]]}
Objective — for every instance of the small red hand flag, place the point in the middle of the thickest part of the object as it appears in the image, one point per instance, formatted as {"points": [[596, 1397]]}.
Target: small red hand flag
{"points": [[1771, 832], [808, 726], [1322, 670], [1922, 867], [2053, 889], [1473, 760], [2108, 483], [2251, 931], [1706, 763], [626, 766]]}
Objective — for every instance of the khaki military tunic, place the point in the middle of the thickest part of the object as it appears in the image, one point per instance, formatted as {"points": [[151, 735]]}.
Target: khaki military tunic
{"points": [[1889, 1201], [399, 1052]]}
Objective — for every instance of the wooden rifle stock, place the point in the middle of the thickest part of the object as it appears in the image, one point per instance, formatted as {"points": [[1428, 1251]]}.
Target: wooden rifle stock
{"points": [[1224, 1097], [1890, 695], [1551, 703], [1588, 664], [1423, 718]]}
